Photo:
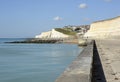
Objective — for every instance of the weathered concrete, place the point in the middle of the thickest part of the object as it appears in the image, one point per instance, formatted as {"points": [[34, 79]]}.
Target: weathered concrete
{"points": [[109, 52], [79, 70], [98, 63]]}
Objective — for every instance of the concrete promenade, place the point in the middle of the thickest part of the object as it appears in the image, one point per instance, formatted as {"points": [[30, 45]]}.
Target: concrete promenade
{"points": [[109, 52], [98, 62]]}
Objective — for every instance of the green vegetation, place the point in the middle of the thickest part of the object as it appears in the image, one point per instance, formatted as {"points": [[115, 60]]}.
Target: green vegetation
{"points": [[67, 31]]}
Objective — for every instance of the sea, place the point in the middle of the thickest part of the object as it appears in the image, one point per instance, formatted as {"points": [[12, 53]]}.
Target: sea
{"points": [[34, 62]]}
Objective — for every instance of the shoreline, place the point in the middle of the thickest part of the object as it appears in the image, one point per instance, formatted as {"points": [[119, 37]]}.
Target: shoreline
{"points": [[79, 42], [79, 69]]}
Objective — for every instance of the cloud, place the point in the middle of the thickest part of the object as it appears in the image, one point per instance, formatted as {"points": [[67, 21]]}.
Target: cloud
{"points": [[83, 5], [108, 0], [57, 18]]}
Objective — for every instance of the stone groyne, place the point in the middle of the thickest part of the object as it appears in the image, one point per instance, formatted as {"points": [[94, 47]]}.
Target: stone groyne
{"points": [[72, 40], [38, 41]]}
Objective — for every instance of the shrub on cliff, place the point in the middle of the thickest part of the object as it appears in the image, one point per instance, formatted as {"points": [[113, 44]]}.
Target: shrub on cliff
{"points": [[66, 31]]}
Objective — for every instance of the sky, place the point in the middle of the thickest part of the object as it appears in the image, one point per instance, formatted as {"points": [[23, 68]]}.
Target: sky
{"points": [[27, 18]]}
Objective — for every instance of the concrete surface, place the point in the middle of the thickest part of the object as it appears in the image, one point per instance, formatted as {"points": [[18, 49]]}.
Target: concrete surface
{"points": [[97, 71], [109, 52], [79, 70]]}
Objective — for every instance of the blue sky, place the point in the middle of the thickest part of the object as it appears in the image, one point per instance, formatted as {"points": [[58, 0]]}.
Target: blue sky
{"points": [[27, 18]]}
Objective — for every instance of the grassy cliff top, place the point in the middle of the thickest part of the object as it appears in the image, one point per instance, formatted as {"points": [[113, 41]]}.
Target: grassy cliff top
{"points": [[67, 31]]}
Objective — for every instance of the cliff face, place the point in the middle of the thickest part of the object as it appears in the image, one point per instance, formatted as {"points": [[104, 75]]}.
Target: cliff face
{"points": [[53, 34], [56, 34], [44, 35], [69, 31], [104, 29]]}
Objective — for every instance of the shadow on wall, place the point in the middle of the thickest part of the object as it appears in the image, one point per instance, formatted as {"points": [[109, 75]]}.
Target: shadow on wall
{"points": [[97, 69]]}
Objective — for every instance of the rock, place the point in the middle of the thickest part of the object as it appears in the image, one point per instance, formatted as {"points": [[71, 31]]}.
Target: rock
{"points": [[35, 41], [44, 35], [82, 42], [53, 34], [109, 28]]}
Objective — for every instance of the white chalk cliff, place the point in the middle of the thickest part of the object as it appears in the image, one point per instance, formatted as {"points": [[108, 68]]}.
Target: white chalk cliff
{"points": [[104, 29], [53, 34]]}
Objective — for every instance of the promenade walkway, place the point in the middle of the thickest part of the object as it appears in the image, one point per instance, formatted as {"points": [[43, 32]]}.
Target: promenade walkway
{"points": [[98, 62], [109, 52]]}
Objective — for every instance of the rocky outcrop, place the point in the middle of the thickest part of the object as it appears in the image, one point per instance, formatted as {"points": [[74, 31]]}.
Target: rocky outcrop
{"points": [[104, 29], [44, 35], [53, 34], [70, 31]]}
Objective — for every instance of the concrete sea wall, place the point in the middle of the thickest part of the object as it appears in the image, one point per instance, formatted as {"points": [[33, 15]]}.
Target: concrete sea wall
{"points": [[89, 66], [80, 69]]}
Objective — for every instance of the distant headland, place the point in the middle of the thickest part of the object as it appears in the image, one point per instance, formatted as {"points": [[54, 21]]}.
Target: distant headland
{"points": [[104, 29], [66, 34]]}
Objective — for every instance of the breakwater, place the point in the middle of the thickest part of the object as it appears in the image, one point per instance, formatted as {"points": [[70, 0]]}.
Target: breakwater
{"points": [[87, 67], [48, 40], [36, 41], [98, 62], [80, 69]]}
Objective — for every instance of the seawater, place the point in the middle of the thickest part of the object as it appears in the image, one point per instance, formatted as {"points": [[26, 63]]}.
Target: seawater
{"points": [[34, 62]]}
